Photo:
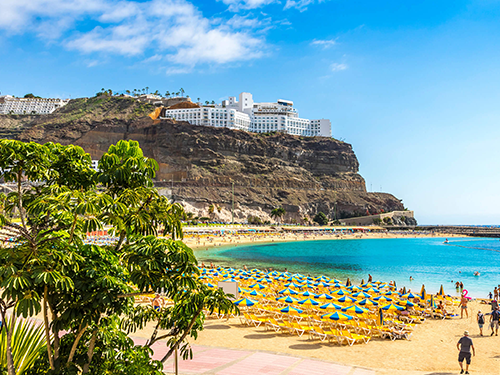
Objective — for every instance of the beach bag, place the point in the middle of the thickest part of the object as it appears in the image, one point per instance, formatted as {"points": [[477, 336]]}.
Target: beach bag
{"points": [[480, 318]]}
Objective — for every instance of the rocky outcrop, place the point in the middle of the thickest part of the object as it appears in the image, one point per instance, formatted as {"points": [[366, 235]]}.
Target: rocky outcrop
{"points": [[304, 175]]}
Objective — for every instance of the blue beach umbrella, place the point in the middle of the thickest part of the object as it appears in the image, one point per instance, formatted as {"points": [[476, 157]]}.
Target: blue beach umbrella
{"points": [[355, 309], [382, 299], [323, 296], [368, 302], [337, 316], [246, 302], [391, 293], [331, 306], [255, 293], [288, 291], [309, 302], [340, 292], [392, 307], [410, 296], [258, 286], [290, 308], [287, 299], [361, 295], [345, 299], [336, 285], [307, 294], [354, 288]]}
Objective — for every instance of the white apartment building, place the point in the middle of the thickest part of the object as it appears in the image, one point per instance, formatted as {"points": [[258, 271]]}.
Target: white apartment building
{"points": [[245, 114], [29, 106]]}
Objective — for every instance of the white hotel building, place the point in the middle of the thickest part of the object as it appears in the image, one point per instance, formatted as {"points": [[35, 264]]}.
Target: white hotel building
{"points": [[247, 115], [29, 106]]}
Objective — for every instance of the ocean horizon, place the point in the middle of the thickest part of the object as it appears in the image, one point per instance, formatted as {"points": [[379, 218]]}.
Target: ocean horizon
{"points": [[429, 261]]}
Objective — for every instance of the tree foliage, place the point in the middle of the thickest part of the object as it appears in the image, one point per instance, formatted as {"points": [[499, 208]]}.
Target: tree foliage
{"points": [[278, 213], [86, 291], [27, 343], [321, 218]]}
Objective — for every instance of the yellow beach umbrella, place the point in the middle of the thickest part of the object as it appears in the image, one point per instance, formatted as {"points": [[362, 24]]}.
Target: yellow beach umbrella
{"points": [[337, 316], [441, 290], [380, 317], [287, 299], [392, 307], [355, 309], [367, 302], [309, 302], [246, 302]]}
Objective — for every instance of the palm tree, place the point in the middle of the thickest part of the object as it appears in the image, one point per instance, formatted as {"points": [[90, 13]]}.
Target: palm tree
{"points": [[128, 92], [167, 94], [278, 213], [26, 343], [182, 91], [207, 102], [198, 100]]}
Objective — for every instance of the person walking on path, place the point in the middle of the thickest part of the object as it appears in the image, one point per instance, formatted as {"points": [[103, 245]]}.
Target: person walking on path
{"points": [[464, 346], [480, 321], [495, 293], [463, 304], [494, 319]]}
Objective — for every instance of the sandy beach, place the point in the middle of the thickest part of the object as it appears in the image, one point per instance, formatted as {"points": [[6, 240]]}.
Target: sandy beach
{"points": [[205, 241], [431, 350]]}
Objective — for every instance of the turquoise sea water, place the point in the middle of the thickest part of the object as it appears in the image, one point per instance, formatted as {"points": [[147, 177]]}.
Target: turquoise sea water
{"points": [[427, 260]]}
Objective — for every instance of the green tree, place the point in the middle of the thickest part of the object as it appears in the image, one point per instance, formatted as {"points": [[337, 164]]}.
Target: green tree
{"points": [[27, 342], [85, 292], [278, 213], [321, 218]]}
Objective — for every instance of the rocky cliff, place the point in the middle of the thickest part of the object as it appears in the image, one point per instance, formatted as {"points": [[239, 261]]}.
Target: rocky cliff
{"points": [[304, 175]]}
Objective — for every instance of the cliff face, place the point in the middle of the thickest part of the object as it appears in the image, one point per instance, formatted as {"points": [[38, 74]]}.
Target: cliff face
{"points": [[304, 175]]}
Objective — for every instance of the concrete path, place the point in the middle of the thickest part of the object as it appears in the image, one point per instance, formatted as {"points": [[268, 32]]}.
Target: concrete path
{"points": [[220, 361]]}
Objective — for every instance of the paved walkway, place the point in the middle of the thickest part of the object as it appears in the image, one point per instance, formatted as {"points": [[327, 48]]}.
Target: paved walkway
{"points": [[219, 361]]}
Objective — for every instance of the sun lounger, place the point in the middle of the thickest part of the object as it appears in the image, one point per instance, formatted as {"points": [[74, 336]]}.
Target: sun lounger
{"points": [[323, 334], [275, 325], [256, 321], [300, 329]]}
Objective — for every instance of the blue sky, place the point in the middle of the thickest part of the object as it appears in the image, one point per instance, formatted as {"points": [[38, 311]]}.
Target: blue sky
{"points": [[412, 85]]}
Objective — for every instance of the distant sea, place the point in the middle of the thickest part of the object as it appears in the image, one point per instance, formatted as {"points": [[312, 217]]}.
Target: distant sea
{"points": [[428, 260]]}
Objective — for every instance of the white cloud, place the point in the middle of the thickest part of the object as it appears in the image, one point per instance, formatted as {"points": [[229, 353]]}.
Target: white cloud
{"points": [[170, 30], [324, 43], [236, 5], [300, 4], [17, 16], [335, 67]]}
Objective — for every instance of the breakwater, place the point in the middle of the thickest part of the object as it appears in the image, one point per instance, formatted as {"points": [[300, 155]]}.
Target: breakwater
{"points": [[465, 230]]}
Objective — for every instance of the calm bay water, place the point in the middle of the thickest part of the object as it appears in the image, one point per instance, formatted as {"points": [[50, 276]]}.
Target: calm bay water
{"points": [[427, 260]]}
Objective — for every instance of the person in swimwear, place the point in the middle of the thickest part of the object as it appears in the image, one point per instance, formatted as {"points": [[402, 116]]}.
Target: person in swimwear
{"points": [[463, 304], [157, 302]]}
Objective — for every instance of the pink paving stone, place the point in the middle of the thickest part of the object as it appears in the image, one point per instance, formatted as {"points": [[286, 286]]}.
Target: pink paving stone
{"points": [[310, 367], [207, 360], [160, 349], [260, 363]]}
